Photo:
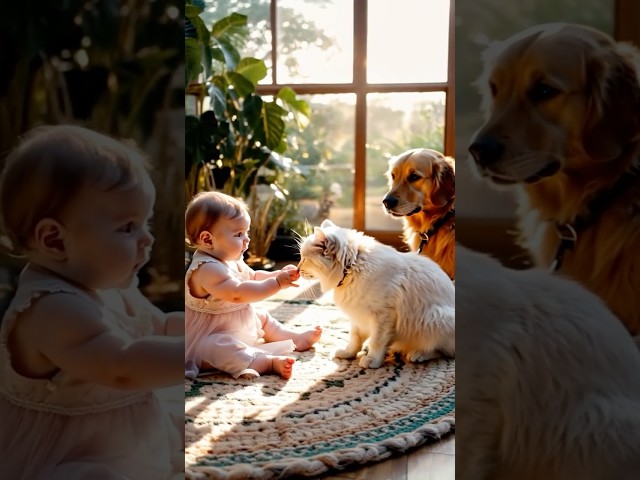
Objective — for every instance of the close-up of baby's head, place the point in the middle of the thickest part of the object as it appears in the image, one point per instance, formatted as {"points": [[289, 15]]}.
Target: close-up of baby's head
{"points": [[211, 214], [54, 167]]}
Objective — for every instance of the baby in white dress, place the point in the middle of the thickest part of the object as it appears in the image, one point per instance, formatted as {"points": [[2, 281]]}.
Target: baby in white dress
{"points": [[82, 351], [223, 330]]}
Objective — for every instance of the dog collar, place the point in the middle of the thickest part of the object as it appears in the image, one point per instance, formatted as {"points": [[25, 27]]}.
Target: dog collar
{"points": [[434, 228], [568, 232], [344, 277]]}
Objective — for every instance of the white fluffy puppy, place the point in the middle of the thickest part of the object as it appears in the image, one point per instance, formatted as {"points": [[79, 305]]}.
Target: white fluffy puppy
{"points": [[400, 302], [547, 379]]}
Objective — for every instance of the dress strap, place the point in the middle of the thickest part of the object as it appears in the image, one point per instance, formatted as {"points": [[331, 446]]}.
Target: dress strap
{"points": [[27, 294]]}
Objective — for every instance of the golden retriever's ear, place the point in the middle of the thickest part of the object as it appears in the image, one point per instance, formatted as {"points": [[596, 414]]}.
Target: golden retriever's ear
{"points": [[489, 56], [444, 181], [613, 89]]}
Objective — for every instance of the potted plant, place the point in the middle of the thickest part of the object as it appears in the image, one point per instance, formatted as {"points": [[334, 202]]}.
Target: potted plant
{"points": [[236, 145]]}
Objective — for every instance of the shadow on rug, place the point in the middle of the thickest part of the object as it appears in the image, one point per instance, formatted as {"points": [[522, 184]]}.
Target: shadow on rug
{"points": [[330, 415]]}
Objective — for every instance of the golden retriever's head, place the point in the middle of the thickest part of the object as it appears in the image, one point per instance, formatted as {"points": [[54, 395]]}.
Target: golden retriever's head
{"points": [[419, 180], [557, 97]]}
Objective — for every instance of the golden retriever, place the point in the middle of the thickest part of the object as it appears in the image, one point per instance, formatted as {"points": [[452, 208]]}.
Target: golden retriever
{"points": [[422, 192], [563, 129]]}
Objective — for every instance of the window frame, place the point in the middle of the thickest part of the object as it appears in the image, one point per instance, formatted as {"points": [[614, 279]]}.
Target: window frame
{"points": [[361, 88]]}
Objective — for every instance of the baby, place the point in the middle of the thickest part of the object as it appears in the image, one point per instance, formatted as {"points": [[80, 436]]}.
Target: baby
{"points": [[223, 330], [82, 348]]}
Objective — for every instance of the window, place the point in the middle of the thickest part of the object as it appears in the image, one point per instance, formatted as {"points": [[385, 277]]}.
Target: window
{"points": [[378, 78]]}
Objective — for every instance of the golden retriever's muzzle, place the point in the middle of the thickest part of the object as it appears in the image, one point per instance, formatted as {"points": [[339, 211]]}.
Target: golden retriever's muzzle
{"points": [[492, 162], [393, 207]]}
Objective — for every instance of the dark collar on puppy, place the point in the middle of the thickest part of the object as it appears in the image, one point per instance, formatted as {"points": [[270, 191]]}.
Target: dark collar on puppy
{"points": [[345, 272], [434, 228], [568, 232]]}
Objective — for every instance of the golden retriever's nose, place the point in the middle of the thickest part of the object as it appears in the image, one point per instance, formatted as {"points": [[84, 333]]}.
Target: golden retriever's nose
{"points": [[389, 202], [486, 150]]}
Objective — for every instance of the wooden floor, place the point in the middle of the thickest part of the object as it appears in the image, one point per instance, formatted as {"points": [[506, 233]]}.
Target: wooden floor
{"points": [[435, 461]]}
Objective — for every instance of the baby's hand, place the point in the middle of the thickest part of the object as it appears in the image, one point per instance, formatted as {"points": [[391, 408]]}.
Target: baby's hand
{"points": [[289, 267], [287, 276]]}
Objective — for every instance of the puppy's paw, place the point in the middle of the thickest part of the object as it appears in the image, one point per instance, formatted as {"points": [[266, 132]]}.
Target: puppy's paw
{"points": [[369, 361], [345, 353], [421, 356]]}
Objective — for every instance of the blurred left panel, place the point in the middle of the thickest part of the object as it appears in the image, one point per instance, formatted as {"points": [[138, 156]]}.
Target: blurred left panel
{"points": [[92, 240]]}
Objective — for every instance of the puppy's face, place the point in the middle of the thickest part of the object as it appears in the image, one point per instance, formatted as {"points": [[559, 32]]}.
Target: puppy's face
{"points": [[326, 252], [548, 95], [419, 180]]}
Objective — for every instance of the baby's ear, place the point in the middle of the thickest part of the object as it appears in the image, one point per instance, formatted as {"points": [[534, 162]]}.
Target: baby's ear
{"points": [[205, 238], [49, 238]]}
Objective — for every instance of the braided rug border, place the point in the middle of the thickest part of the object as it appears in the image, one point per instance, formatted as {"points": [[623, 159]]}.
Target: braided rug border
{"points": [[360, 454]]}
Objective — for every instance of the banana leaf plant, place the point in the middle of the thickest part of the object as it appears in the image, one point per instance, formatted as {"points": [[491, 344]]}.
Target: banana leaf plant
{"points": [[236, 146]]}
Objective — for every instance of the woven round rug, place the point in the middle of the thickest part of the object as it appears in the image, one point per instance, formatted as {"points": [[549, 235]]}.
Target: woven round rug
{"points": [[330, 415]]}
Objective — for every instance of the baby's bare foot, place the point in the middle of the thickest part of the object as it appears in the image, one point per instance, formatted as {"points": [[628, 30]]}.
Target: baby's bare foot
{"points": [[305, 340], [283, 366]]}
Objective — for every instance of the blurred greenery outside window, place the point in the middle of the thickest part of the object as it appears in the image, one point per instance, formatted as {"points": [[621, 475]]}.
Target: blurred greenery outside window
{"points": [[376, 81]]}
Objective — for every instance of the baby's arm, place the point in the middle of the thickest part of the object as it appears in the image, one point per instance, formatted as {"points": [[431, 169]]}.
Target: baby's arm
{"points": [[69, 332], [171, 323], [174, 324], [263, 274], [226, 287]]}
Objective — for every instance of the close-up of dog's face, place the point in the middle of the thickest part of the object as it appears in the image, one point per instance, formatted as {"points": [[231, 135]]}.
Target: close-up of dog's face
{"points": [[419, 179], [556, 97]]}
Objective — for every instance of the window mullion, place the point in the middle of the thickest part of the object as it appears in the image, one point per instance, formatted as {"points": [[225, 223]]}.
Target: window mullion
{"points": [[450, 103], [273, 15], [360, 134]]}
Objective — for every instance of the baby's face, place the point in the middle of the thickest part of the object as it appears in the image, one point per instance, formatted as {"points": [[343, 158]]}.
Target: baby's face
{"points": [[230, 238], [107, 236]]}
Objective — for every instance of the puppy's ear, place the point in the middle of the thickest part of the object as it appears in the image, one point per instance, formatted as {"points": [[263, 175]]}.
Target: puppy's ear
{"points": [[327, 224], [342, 246], [444, 182], [319, 234], [613, 89]]}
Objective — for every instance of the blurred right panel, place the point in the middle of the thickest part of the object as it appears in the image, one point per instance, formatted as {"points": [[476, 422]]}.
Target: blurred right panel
{"points": [[547, 146]]}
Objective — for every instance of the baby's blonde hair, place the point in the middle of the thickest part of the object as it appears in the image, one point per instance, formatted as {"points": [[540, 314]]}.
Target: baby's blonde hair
{"points": [[49, 167], [206, 208]]}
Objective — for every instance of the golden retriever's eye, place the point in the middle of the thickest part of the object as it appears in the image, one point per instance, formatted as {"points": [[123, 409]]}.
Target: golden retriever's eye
{"points": [[414, 177], [542, 92], [393, 176]]}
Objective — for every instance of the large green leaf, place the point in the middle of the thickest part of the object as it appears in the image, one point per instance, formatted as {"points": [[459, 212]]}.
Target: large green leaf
{"points": [[288, 96], [201, 29], [242, 85], [192, 59], [282, 146], [229, 25], [192, 11], [229, 51], [252, 111], [272, 124], [218, 94], [252, 68], [299, 108]]}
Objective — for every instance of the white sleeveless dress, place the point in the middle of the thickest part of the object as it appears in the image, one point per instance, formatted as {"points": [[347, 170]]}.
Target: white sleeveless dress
{"points": [[224, 335], [67, 428]]}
